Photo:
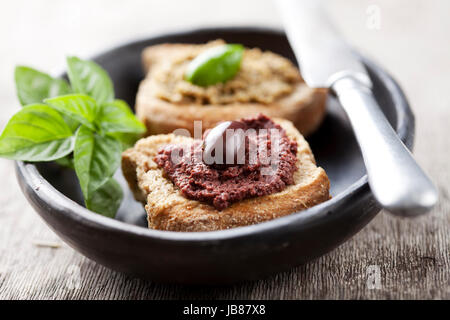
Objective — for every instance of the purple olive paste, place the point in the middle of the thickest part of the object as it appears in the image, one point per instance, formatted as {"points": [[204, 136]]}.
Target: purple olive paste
{"points": [[262, 172]]}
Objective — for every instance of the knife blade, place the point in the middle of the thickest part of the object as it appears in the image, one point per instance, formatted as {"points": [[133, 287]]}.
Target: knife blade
{"points": [[396, 180], [322, 54]]}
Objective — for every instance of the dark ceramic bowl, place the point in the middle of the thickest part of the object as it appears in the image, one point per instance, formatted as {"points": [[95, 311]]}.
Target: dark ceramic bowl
{"points": [[244, 253]]}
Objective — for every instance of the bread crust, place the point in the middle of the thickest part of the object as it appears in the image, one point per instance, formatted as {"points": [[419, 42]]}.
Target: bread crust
{"points": [[168, 209], [305, 106]]}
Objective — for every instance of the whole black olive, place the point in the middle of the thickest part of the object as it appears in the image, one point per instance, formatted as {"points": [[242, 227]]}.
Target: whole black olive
{"points": [[225, 143]]}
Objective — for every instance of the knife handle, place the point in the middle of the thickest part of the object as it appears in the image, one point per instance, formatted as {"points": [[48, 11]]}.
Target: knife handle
{"points": [[396, 180]]}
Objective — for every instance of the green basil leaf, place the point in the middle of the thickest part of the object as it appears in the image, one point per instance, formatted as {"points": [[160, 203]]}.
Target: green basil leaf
{"points": [[66, 161], [76, 106], [72, 123], [116, 116], [36, 133], [215, 65], [106, 199], [89, 78], [34, 86], [126, 139], [96, 158]]}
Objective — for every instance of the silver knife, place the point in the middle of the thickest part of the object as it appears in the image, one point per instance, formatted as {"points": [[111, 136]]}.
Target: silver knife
{"points": [[326, 61]]}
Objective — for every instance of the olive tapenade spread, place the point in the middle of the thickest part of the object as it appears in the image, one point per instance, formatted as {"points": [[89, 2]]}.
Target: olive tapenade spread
{"points": [[223, 184], [264, 77]]}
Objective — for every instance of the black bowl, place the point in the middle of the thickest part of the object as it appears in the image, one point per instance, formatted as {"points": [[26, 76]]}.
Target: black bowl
{"points": [[244, 253]]}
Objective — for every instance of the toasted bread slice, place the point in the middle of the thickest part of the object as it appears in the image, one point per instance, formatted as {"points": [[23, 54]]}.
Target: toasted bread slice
{"points": [[295, 101], [168, 209]]}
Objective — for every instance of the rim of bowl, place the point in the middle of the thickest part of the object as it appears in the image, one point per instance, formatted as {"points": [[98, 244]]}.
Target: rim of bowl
{"points": [[55, 199]]}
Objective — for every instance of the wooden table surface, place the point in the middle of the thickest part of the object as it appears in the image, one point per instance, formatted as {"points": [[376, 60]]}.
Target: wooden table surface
{"points": [[410, 258]]}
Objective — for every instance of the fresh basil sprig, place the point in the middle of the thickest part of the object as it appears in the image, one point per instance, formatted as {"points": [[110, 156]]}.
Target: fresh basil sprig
{"points": [[80, 126], [89, 78], [215, 65], [78, 107], [34, 86], [96, 158], [36, 133]]}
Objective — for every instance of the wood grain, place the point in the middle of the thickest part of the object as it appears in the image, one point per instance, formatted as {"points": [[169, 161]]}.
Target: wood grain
{"points": [[413, 256]]}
